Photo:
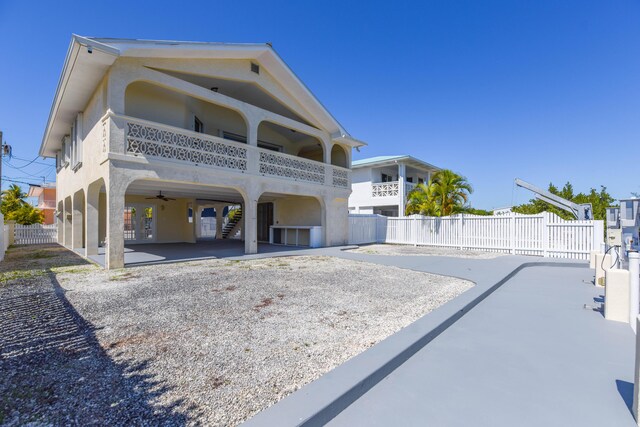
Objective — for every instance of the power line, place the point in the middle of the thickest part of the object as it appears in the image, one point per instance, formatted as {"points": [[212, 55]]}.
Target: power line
{"points": [[20, 182], [32, 161]]}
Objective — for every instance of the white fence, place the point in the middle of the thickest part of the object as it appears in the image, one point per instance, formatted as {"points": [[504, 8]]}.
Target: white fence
{"points": [[545, 234], [34, 234]]}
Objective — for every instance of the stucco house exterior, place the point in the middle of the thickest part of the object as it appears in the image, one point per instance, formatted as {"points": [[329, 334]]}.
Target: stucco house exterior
{"points": [[147, 132], [46, 195], [380, 184]]}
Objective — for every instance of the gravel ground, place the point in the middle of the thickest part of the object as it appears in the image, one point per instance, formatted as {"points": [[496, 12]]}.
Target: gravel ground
{"points": [[202, 343], [388, 249]]}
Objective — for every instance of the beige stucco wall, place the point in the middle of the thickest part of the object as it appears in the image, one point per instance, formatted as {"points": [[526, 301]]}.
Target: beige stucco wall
{"points": [[172, 221], [297, 211]]}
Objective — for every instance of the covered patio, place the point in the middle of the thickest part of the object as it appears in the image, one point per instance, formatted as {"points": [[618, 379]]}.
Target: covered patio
{"points": [[160, 253]]}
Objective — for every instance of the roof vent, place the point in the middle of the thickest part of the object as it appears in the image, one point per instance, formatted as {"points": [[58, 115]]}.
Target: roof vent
{"points": [[255, 68]]}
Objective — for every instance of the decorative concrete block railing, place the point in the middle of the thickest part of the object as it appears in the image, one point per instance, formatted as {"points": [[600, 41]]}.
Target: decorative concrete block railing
{"points": [[155, 140], [544, 235], [384, 189]]}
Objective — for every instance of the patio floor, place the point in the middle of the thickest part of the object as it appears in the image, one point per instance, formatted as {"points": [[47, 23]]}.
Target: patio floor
{"points": [[157, 253]]}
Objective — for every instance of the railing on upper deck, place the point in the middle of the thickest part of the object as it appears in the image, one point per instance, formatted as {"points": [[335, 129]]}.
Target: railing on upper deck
{"points": [[150, 139]]}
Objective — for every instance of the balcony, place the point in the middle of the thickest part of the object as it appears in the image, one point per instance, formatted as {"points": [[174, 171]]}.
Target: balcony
{"points": [[142, 138], [390, 189]]}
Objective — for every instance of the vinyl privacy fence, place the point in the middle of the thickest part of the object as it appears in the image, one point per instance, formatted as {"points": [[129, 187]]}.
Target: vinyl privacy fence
{"points": [[34, 234], [544, 235]]}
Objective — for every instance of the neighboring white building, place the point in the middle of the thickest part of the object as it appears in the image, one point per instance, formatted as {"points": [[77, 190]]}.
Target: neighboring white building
{"points": [[380, 184], [503, 211], [145, 132]]}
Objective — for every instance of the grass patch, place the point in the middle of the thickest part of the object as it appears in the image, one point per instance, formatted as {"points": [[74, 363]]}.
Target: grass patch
{"points": [[10, 276]]}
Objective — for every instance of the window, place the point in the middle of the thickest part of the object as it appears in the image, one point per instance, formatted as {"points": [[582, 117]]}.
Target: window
{"points": [[197, 125], [66, 151], [234, 137], [76, 142], [387, 178], [420, 181], [270, 146], [409, 179]]}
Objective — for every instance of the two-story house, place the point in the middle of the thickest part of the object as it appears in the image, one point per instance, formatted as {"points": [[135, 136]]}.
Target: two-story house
{"points": [[46, 195], [380, 184], [147, 132]]}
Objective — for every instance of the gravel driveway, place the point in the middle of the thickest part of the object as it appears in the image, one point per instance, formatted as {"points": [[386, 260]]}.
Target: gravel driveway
{"points": [[389, 249], [202, 343]]}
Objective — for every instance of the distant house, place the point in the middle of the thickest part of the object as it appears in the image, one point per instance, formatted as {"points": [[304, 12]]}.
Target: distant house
{"points": [[503, 211], [380, 184], [46, 195]]}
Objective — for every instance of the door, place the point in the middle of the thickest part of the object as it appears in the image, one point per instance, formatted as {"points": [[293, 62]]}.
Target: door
{"points": [[265, 220], [139, 223]]}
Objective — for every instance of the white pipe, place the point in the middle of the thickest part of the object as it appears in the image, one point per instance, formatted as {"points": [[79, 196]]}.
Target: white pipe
{"points": [[634, 288]]}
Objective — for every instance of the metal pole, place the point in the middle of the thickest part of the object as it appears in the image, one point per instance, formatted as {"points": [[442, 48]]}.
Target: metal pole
{"points": [[634, 288]]}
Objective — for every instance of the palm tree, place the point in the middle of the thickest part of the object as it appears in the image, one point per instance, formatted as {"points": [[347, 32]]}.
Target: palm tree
{"points": [[421, 200], [451, 191]]}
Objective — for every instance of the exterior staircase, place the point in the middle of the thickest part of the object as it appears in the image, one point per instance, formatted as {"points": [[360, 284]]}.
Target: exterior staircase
{"points": [[232, 226]]}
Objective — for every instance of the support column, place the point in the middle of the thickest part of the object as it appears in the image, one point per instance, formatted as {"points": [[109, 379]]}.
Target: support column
{"points": [[194, 231], [67, 218], [250, 229], [91, 218], [402, 172], [77, 222], [219, 220], [60, 222], [115, 227]]}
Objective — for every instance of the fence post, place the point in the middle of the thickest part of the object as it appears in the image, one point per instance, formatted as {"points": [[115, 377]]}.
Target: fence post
{"points": [[12, 232], [461, 231], [512, 233], [598, 234], [545, 234]]}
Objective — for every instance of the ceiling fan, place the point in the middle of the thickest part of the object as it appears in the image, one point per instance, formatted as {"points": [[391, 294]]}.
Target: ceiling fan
{"points": [[160, 197]]}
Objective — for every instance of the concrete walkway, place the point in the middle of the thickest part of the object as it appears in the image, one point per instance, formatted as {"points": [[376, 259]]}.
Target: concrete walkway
{"points": [[528, 353]]}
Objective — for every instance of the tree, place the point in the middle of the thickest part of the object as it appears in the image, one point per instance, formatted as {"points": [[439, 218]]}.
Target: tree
{"points": [[474, 211], [14, 207], [445, 194], [600, 200], [421, 200]]}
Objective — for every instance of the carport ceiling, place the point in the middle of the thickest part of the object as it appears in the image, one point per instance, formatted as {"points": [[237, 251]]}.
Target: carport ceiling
{"points": [[187, 191]]}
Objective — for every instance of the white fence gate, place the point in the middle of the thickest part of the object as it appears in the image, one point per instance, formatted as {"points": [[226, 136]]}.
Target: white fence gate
{"points": [[35, 234], [544, 234]]}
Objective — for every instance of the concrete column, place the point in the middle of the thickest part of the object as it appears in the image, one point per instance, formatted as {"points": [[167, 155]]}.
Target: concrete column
{"points": [[67, 218], [250, 229], [115, 227], [60, 222], [634, 288], [402, 172], [219, 220], [196, 211], [77, 222], [91, 218], [194, 230]]}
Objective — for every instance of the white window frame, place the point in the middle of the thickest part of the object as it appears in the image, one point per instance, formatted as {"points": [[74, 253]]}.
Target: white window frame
{"points": [[76, 143]]}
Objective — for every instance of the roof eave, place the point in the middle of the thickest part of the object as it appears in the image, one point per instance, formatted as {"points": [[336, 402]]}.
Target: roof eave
{"points": [[77, 42]]}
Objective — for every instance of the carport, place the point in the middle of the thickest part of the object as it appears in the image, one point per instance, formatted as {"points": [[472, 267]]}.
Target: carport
{"points": [[159, 253]]}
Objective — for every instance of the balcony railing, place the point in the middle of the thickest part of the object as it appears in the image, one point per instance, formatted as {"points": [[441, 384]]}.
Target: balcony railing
{"points": [[390, 189], [154, 140]]}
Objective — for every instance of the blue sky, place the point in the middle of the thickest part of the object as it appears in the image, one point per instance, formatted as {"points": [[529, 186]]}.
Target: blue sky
{"points": [[541, 90]]}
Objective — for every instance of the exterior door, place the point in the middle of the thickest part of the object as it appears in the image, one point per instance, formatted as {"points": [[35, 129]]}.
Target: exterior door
{"points": [[139, 223], [265, 220]]}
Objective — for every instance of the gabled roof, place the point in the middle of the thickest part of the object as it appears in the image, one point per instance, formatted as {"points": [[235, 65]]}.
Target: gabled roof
{"points": [[392, 160], [88, 60]]}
